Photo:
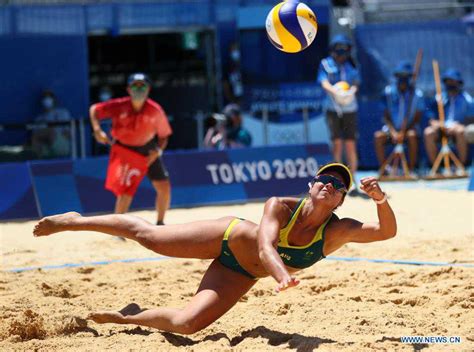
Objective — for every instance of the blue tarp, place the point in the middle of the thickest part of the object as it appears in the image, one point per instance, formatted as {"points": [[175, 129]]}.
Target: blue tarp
{"points": [[33, 63], [381, 46]]}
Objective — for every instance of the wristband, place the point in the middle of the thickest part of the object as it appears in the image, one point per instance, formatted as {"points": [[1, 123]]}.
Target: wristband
{"points": [[383, 200]]}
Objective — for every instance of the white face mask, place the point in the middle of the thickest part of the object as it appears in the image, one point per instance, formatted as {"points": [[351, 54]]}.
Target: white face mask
{"points": [[235, 55], [48, 103]]}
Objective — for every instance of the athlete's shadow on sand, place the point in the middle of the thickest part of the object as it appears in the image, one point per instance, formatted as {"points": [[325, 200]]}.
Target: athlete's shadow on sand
{"points": [[298, 342]]}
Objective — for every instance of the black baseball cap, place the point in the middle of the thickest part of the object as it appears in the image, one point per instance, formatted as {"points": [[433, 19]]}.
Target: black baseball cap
{"points": [[341, 169], [138, 77]]}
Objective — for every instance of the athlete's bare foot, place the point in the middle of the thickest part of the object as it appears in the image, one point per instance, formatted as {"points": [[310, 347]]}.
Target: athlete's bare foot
{"points": [[104, 317], [55, 223], [119, 317]]}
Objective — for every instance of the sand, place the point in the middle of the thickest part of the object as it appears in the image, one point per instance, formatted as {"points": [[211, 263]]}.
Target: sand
{"points": [[339, 306]]}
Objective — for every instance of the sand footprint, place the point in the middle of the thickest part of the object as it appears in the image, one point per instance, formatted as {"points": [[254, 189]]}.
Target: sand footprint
{"points": [[283, 310], [57, 291], [319, 289]]}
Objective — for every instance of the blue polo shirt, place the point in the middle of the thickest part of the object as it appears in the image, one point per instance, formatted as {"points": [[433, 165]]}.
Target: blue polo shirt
{"points": [[330, 70], [397, 102], [457, 108]]}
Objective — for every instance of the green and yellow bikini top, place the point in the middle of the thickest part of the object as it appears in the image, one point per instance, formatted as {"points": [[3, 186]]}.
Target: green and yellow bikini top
{"points": [[301, 256]]}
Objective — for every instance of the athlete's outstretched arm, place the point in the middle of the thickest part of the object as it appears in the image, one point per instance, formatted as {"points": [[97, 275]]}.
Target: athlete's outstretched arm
{"points": [[268, 233], [370, 232]]}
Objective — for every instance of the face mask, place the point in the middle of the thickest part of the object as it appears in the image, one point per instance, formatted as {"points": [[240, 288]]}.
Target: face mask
{"points": [[341, 52], [138, 93], [235, 55], [105, 96], [452, 87], [403, 81], [48, 103]]}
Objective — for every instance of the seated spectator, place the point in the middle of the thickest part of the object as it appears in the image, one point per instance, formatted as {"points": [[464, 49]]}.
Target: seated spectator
{"points": [[396, 100], [237, 136], [50, 142], [458, 111], [105, 93]]}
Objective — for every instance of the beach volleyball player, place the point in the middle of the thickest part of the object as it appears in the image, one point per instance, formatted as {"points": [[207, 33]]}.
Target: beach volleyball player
{"points": [[140, 130], [293, 234]]}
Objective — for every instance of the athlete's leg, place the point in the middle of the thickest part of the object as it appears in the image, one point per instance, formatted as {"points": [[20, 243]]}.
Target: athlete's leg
{"points": [[122, 203], [219, 291], [199, 239], [163, 195]]}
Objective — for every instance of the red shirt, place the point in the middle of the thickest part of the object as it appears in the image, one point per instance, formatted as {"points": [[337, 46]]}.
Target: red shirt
{"points": [[131, 127]]}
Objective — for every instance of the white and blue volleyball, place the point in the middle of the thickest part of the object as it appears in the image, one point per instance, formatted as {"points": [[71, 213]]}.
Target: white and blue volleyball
{"points": [[291, 26]]}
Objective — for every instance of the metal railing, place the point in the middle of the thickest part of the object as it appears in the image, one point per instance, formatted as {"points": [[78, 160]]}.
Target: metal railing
{"points": [[264, 112], [76, 132]]}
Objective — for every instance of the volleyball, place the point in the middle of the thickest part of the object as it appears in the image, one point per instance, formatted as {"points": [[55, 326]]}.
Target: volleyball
{"points": [[343, 85], [343, 95], [291, 26]]}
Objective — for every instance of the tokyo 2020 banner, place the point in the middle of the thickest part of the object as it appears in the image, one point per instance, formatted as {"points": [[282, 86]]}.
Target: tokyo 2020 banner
{"points": [[34, 189]]}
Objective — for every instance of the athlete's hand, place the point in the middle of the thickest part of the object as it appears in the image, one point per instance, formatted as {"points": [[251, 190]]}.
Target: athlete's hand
{"points": [[286, 283], [101, 137], [371, 186], [153, 155]]}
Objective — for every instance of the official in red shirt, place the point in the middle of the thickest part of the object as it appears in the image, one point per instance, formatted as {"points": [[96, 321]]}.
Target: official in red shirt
{"points": [[138, 124]]}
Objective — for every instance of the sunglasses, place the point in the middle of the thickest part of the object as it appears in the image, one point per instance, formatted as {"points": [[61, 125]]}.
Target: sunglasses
{"points": [[336, 183]]}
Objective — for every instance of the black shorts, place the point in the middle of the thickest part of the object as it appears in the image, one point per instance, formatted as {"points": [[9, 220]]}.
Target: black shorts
{"points": [[156, 171], [344, 127]]}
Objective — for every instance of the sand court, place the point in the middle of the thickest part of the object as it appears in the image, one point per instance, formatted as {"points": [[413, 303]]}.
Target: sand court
{"points": [[339, 305]]}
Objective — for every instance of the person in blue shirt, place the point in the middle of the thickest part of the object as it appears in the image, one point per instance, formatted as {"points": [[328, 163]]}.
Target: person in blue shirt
{"points": [[458, 110], [397, 99], [339, 77]]}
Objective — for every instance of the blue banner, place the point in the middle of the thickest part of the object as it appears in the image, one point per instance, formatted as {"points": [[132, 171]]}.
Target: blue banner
{"points": [[17, 198], [197, 178]]}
